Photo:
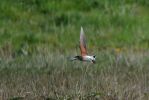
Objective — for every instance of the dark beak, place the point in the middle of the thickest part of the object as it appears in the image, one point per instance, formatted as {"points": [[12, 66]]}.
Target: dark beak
{"points": [[93, 61]]}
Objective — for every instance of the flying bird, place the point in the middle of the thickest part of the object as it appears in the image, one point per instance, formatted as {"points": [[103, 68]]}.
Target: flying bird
{"points": [[84, 55]]}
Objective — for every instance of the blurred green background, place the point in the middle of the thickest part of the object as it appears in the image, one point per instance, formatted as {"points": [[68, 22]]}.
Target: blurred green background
{"points": [[37, 36], [56, 24]]}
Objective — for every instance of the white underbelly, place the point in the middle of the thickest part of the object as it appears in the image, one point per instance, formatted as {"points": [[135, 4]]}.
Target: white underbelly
{"points": [[87, 58]]}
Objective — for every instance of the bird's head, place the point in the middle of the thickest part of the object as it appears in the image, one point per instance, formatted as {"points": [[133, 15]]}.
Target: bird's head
{"points": [[93, 59]]}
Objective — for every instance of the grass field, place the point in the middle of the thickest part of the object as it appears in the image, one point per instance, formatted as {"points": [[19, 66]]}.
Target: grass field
{"points": [[37, 37]]}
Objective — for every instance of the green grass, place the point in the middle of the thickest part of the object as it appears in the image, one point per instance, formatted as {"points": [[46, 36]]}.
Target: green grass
{"points": [[37, 36], [120, 22]]}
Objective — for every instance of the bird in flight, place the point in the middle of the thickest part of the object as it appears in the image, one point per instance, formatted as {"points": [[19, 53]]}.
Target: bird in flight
{"points": [[84, 56]]}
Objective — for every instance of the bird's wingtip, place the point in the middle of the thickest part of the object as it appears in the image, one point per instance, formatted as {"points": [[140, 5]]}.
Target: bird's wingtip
{"points": [[82, 29]]}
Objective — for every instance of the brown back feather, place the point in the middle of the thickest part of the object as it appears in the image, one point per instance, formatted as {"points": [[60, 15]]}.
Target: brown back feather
{"points": [[82, 43]]}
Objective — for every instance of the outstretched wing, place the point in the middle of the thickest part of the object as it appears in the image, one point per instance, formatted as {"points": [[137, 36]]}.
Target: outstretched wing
{"points": [[82, 43]]}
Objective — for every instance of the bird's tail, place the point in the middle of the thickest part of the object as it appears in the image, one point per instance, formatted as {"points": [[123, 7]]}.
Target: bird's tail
{"points": [[72, 58]]}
